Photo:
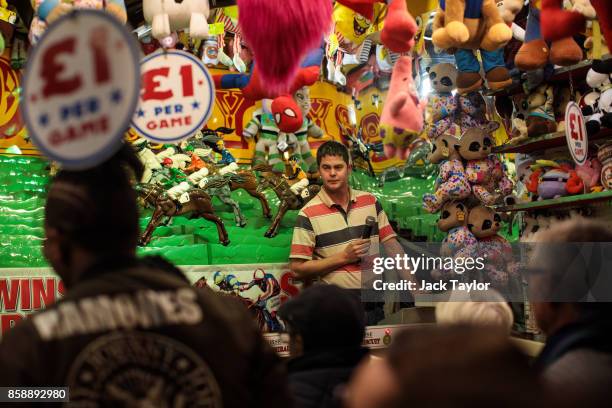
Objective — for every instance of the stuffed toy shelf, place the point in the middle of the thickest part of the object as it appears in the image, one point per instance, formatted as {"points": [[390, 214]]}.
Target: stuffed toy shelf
{"points": [[577, 72], [562, 202], [548, 141]]}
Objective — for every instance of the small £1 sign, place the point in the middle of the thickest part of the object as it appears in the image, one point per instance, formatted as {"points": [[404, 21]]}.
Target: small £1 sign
{"points": [[575, 133], [81, 88], [176, 99]]}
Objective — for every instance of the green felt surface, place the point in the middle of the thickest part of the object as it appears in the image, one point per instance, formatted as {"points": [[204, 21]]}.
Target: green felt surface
{"points": [[23, 182]]}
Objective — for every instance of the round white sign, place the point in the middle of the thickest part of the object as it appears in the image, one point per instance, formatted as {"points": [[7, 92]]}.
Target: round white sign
{"points": [[576, 134], [80, 88], [176, 99]]}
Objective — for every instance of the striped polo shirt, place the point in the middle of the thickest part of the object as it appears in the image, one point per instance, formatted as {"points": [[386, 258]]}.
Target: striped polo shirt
{"points": [[324, 229]]}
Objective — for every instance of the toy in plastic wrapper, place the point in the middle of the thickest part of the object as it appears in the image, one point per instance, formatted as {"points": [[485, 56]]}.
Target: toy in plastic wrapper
{"points": [[452, 182], [402, 117]]}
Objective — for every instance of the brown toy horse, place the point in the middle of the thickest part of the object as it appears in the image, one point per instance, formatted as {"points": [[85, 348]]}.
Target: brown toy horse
{"points": [[288, 200], [199, 205]]}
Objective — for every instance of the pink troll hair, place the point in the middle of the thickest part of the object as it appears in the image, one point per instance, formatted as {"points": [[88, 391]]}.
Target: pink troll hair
{"points": [[281, 33]]}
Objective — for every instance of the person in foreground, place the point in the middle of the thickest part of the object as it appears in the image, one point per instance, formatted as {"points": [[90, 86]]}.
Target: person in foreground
{"points": [[576, 362], [326, 328], [130, 331], [327, 240], [447, 367]]}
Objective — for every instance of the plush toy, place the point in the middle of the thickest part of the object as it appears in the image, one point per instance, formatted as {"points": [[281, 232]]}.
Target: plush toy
{"points": [[47, 11], [441, 103], [485, 223], [561, 96], [400, 28], [453, 221], [471, 110], [558, 23], [402, 116], [559, 182], [484, 170], [452, 182], [541, 117], [308, 129], [266, 148], [535, 52], [589, 104], [601, 82], [590, 174], [468, 25], [167, 16], [281, 36]]}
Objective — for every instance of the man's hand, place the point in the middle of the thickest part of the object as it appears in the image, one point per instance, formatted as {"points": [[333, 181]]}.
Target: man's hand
{"points": [[355, 250]]}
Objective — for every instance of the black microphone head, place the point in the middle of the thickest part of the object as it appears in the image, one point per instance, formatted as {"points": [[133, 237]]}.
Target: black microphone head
{"points": [[369, 225]]}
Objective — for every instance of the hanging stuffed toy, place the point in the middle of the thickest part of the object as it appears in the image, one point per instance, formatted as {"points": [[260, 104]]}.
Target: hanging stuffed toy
{"points": [[402, 117], [452, 182], [281, 35], [167, 16], [484, 170], [541, 116], [557, 23], [399, 29], [469, 25], [500, 266], [441, 103], [47, 11], [535, 53], [453, 220]]}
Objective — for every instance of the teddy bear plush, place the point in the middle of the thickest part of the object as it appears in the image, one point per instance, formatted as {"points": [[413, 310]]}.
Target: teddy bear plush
{"points": [[47, 11], [541, 116], [485, 223], [464, 26], [484, 170], [535, 53], [452, 182], [402, 117]]}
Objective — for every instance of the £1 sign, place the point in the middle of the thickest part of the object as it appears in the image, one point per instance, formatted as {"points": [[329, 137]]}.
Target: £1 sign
{"points": [[575, 133], [80, 88], [176, 98]]}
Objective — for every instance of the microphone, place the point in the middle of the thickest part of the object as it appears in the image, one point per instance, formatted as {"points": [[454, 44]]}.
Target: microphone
{"points": [[369, 225]]}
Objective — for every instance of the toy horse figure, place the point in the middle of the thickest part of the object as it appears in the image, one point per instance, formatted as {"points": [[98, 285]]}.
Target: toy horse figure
{"points": [[199, 205], [288, 200], [219, 186]]}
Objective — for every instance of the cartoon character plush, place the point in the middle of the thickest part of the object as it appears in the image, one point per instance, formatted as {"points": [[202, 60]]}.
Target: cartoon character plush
{"points": [[559, 182], [47, 11], [541, 117], [266, 148], [558, 23], [452, 182], [167, 16], [399, 29], [535, 53], [484, 170], [453, 221], [468, 25], [485, 223], [281, 36], [402, 116], [601, 115]]}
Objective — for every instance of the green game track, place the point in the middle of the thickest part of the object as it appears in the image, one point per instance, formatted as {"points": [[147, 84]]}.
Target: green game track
{"points": [[23, 183]]}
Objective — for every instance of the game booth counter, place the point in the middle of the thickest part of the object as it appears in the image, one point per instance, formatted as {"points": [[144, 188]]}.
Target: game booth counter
{"points": [[462, 142]]}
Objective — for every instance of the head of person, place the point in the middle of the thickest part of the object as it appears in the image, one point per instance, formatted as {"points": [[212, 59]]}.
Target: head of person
{"points": [[487, 309], [323, 318], [92, 215], [334, 165], [561, 274], [446, 366]]}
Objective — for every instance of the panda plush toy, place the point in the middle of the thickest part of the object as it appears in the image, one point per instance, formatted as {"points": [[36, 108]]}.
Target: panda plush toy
{"points": [[485, 223]]}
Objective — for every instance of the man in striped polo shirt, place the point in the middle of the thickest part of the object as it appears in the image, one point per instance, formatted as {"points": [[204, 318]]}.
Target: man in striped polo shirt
{"points": [[327, 243]]}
